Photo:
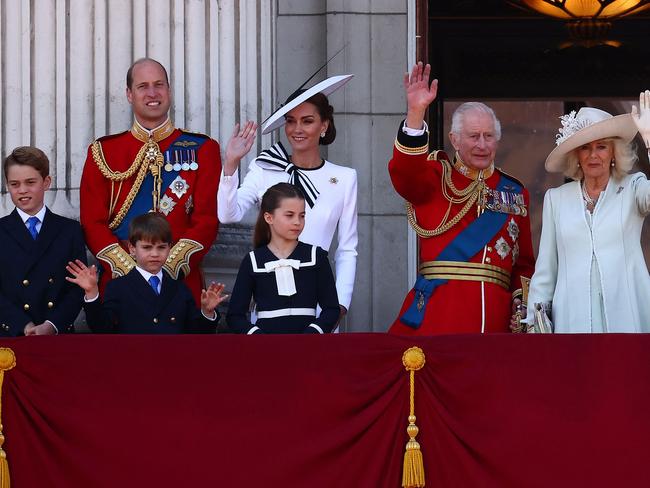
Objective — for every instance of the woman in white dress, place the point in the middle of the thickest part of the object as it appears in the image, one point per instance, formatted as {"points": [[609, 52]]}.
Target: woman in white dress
{"points": [[590, 272], [330, 190]]}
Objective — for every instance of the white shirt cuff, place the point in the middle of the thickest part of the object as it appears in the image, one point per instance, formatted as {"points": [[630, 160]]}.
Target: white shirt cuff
{"points": [[213, 318], [414, 132], [320, 331], [91, 299], [56, 331], [228, 179]]}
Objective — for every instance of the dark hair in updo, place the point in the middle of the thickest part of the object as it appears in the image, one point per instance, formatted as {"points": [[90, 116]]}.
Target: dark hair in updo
{"points": [[325, 111]]}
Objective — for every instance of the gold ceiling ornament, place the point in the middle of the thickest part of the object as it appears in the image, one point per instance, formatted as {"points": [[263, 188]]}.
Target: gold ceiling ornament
{"points": [[588, 21]]}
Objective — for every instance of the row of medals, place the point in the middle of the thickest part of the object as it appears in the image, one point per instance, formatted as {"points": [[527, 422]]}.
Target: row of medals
{"points": [[181, 163]]}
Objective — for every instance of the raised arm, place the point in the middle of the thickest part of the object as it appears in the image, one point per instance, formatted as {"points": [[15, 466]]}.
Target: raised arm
{"points": [[410, 172], [419, 94], [641, 117], [239, 144]]}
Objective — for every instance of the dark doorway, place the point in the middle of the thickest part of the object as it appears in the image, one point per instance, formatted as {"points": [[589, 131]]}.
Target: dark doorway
{"points": [[528, 69]]}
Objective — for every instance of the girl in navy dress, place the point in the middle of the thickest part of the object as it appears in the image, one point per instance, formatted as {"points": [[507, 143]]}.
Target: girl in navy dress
{"points": [[286, 278]]}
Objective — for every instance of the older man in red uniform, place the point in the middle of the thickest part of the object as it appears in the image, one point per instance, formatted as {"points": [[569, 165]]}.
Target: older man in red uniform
{"points": [[471, 219], [151, 167]]}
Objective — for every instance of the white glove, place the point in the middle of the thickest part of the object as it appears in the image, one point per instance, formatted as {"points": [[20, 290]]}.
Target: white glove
{"points": [[642, 117]]}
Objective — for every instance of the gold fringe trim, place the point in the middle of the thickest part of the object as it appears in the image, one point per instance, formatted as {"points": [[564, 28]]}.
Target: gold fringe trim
{"points": [[413, 360], [7, 362]]}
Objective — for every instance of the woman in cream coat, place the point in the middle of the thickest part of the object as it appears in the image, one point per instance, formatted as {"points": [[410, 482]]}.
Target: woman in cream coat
{"points": [[590, 269]]}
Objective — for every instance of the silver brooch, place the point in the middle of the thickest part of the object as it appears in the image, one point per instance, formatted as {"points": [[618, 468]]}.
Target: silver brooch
{"points": [[334, 180]]}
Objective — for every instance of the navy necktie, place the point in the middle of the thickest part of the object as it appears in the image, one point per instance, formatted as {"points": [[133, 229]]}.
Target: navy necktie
{"points": [[154, 281], [31, 226]]}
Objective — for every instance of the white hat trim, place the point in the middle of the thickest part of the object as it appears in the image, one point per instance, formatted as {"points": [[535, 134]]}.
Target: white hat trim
{"points": [[330, 85]]}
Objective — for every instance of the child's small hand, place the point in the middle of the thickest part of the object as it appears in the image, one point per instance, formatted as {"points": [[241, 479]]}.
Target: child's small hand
{"points": [[84, 277], [46, 328], [212, 297]]}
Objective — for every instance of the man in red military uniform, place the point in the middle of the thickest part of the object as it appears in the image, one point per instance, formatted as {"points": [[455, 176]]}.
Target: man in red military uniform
{"points": [[471, 219], [151, 167]]}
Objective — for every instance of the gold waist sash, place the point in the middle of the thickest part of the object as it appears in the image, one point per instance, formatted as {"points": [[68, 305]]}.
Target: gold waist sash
{"points": [[456, 270]]}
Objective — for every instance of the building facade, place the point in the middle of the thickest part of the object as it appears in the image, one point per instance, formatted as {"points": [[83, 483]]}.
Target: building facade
{"points": [[63, 84]]}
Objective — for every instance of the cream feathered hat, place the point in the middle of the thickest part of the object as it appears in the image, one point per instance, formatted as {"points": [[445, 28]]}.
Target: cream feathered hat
{"points": [[589, 124]]}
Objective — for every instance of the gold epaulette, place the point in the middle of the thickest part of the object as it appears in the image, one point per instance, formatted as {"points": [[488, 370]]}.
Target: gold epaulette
{"points": [[179, 258], [197, 134], [117, 258]]}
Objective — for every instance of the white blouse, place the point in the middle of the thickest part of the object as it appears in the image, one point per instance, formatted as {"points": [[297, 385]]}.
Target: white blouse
{"points": [[335, 207]]}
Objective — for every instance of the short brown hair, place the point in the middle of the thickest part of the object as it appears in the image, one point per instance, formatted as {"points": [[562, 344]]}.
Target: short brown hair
{"points": [[150, 227], [28, 156], [129, 73]]}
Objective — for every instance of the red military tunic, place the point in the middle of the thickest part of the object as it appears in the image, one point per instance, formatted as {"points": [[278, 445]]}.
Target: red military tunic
{"points": [[459, 305], [191, 208]]}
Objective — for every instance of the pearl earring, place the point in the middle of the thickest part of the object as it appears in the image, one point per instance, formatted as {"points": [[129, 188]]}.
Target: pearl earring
{"points": [[613, 163], [322, 135]]}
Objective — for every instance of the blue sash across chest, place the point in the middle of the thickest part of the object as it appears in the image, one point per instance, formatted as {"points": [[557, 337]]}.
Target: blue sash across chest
{"points": [[461, 249]]}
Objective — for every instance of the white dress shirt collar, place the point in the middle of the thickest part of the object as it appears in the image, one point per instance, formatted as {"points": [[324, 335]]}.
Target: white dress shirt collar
{"points": [[146, 275], [40, 215]]}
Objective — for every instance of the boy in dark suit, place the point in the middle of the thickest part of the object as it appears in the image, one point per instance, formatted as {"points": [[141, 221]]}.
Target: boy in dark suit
{"points": [[146, 300], [35, 298]]}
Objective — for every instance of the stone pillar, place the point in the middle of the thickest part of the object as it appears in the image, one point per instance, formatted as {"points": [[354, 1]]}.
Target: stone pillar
{"points": [[65, 64]]}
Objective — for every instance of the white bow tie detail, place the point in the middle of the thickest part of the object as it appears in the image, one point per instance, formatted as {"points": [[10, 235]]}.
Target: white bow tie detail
{"points": [[283, 269]]}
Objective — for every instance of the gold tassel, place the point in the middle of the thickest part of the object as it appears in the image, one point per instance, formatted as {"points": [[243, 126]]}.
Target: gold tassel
{"points": [[7, 361], [413, 473]]}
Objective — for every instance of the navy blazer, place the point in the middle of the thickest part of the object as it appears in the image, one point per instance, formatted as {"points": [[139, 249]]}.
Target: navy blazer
{"points": [[33, 287], [130, 306]]}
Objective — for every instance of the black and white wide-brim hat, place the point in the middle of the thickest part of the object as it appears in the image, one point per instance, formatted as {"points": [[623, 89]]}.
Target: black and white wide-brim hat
{"points": [[588, 125], [330, 85]]}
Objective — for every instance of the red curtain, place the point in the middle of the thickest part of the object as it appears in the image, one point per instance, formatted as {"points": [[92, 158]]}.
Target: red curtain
{"points": [[325, 411]]}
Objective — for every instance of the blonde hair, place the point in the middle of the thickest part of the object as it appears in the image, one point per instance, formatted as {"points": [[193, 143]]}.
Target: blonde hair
{"points": [[625, 157]]}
